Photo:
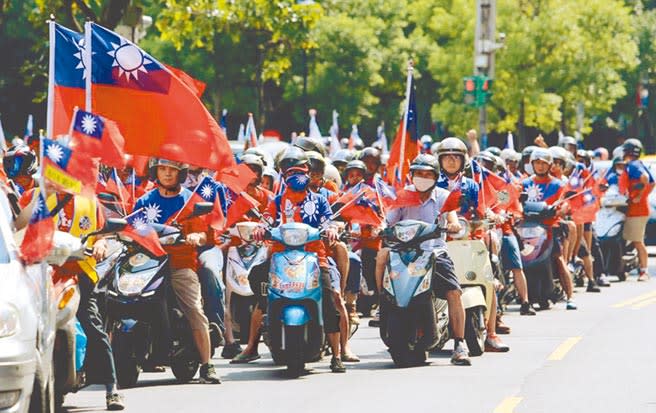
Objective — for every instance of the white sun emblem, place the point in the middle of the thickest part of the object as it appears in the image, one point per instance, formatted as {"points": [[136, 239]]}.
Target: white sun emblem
{"points": [[206, 191], [55, 153], [38, 206], [129, 59], [310, 210], [574, 181], [139, 223], [80, 54], [153, 213], [534, 193], [89, 124]]}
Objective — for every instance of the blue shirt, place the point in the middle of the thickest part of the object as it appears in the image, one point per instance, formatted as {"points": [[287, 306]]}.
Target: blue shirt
{"points": [[159, 209], [469, 189]]}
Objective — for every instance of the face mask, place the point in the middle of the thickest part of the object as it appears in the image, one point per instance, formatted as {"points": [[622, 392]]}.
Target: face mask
{"points": [[297, 182], [423, 184], [528, 167]]}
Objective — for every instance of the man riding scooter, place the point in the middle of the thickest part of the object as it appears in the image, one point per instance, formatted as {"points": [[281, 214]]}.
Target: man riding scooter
{"points": [[425, 171], [297, 204], [159, 205]]}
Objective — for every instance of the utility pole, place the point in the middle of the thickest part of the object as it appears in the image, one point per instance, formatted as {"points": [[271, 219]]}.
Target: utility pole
{"points": [[484, 47]]}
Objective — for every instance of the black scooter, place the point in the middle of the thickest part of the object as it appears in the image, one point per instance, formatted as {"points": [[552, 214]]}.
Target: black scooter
{"points": [[144, 319]]}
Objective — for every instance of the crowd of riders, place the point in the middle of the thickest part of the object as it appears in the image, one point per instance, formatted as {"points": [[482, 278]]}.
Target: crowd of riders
{"points": [[306, 183]]}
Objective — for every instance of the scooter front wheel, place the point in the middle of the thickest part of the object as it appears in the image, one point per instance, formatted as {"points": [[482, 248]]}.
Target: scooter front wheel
{"points": [[183, 369], [295, 340], [127, 368], [475, 331]]}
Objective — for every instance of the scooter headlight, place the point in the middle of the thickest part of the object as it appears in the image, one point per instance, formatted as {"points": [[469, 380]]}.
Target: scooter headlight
{"points": [[405, 233], [294, 237], [134, 283], [9, 320]]}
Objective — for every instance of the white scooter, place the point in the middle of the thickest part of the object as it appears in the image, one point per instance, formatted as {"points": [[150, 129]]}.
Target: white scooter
{"points": [[240, 260], [476, 278]]}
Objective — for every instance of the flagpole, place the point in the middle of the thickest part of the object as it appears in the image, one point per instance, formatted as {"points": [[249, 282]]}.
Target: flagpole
{"points": [[134, 184], [405, 115], [86, 55], [120, 193]]}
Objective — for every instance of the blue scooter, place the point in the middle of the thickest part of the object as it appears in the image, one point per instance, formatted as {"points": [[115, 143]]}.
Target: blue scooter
{"points": [[294, 323]]}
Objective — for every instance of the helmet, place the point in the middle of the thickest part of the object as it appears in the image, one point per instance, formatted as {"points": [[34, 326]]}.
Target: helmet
{"points": [[567, 140], [618, 152], [292, 157], [507, 154], [317, 162], [487, 159], [632, 147], [254, 162], [384, 158], [258, 152], [425, 162], [19, 160], [453, 146], [426, 140], [342, 156], [560, 153], [582, 153], [344, 142], [332, 174], [526, 153], [601, 153], [310, 144], [183, 168], [542, 154], [494, 150], [370, 153], [435, 147], [571, 161], [356, 164], [271, 173], [377, 145]]}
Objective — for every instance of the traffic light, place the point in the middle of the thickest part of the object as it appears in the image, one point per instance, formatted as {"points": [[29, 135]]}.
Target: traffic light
{"points": [[470, 90], [478, 90]]}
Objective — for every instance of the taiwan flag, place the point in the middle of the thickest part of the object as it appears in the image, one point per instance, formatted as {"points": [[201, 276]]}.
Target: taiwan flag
{"points": [[407, 143], [205, 191], [98, 137], [159, 113], [37, 242], [69, 77], [584, 207], [68, 169], [142, 233]]}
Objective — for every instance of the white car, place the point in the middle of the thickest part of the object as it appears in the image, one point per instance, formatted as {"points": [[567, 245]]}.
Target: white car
{"points": [[27, 327]]}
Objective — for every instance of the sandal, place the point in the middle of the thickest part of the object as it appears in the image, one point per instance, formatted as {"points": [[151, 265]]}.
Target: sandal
{"points": [[243, 358], [350, 358]]}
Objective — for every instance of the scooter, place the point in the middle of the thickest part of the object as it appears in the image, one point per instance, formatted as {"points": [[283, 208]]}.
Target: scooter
{"points": [[241, 259], [294, 323], [537, 253], [471, 259], [144, 320], [412, 320], [619, 256]]}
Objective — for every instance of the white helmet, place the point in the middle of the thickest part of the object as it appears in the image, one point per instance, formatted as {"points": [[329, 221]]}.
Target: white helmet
{"points": [[542, 154]]}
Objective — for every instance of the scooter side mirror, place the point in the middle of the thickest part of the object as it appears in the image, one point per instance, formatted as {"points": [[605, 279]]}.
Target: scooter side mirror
{"points": [[523, 197], [202, 208]]}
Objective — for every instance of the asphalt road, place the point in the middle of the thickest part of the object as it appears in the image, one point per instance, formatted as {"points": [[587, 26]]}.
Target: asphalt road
{"points": [[600, 358]]}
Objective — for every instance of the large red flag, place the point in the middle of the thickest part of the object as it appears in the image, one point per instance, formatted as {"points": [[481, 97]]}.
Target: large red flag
{"points": [[37, 243], [159, 114], [239, 208], [141, 232], [237, 178]]}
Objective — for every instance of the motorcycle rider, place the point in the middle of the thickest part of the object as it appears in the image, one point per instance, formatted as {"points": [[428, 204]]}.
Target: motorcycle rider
{"points": [[424, 172], [640, 184], [543, 187], [159, 205], [20, 164], [371, 158], [297, 203], [79, 216], [452, 158]]}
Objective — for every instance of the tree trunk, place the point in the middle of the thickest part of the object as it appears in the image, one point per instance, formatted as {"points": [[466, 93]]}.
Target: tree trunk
{"points": [[260, 116]]}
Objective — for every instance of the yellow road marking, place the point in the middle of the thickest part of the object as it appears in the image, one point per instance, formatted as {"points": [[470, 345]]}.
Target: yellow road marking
{"points": [[508, 405], [635, 300], [644, 303], [562, 349]]}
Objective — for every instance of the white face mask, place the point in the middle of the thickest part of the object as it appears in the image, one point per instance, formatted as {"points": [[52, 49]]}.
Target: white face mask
{"points": [[528, 167], [423, 184]]}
